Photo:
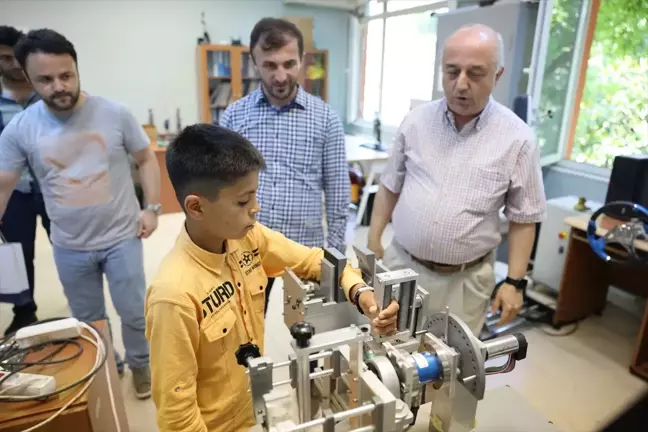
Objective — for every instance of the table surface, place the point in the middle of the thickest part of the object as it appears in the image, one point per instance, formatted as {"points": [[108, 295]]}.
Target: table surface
{"points": [[580, 222], [357, 153], [65, 373]]}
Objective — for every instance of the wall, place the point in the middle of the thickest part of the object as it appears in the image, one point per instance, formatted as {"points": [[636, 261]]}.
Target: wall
{"points": [[142, 53]]}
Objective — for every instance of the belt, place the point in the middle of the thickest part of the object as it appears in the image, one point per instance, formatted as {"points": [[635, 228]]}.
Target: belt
{"points": [[447, 268]]}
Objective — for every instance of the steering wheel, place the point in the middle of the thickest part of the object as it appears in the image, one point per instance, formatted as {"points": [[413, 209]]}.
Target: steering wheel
{"points": [[624, 234]]}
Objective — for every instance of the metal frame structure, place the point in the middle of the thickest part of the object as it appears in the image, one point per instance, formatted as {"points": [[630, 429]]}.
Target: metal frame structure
{"points": [[372, 382]]}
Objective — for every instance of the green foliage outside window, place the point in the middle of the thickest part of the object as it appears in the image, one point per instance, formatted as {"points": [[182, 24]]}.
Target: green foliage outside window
{"points": [[613, 115]]}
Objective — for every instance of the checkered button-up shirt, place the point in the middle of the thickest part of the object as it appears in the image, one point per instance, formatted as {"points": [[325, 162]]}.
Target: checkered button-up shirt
{"points": [[453, 183], [8, 109], [303, 145]]}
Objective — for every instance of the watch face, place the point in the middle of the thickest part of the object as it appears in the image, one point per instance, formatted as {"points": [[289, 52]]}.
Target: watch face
{"points": [[156, 208]]}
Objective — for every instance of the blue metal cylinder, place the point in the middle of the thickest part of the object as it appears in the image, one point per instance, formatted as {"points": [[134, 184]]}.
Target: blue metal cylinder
{"points": [[428, 366]]}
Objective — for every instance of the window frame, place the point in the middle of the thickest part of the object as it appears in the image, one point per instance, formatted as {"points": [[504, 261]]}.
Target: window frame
{"points": [[567, 120], [355, 83]]}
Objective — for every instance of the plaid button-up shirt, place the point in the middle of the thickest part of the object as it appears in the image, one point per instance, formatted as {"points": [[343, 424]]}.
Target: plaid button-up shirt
{"points": [[452, 183], [304, 149], [8, 109]]}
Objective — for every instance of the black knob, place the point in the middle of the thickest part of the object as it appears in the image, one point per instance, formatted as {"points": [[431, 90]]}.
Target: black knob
{"points": [[522, 351], [302, 332], [245, 351]]}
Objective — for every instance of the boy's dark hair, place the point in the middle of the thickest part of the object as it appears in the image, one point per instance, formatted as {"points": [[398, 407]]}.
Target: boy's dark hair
{"points": [[272, 34], [9, 36], [205, 158], [44, 41]]}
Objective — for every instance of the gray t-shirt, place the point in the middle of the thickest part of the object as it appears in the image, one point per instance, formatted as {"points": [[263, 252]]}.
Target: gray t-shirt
{"points": [[82, 165]]}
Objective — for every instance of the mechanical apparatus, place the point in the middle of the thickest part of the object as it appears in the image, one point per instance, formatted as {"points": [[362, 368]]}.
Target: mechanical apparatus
{"points": [[625, 234], [366, 382]]}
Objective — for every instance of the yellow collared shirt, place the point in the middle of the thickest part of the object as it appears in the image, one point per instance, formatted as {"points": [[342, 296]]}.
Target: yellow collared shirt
{"points": [[200, 308]]}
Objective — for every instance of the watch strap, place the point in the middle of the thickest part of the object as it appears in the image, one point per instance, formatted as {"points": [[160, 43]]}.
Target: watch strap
{"points": [[356, 296], [517, 283], [155, 208]]}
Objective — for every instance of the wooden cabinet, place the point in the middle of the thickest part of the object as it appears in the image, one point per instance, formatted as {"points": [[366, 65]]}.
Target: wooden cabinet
{"points": [[226, 73]]}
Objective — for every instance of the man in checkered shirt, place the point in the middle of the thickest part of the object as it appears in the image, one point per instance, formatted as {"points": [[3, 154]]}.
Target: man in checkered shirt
{"points": [[454, 164], [301, 139]]}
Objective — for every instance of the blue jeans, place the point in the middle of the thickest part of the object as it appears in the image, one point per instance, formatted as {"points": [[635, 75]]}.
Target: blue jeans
{"points": [[81, 274]]}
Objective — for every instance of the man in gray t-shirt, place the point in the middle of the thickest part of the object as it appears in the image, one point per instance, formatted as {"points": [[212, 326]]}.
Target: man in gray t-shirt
{"points": [[78, 148]]}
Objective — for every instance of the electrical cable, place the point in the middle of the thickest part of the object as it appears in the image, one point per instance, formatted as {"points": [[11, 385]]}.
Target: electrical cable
{"points": [[19, 366], [11, 351], [506, 368], [99, 362], [87, 377], [102, 354], [44, 362]]}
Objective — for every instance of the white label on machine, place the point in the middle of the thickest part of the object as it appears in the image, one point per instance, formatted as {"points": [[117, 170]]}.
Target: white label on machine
{"points": [[420, 360]]}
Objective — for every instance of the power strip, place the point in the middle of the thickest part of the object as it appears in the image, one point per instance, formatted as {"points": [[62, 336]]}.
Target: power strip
{"points": [[24, 384], [67, 328]]}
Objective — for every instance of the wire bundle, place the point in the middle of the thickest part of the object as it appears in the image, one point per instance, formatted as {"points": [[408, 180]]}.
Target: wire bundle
{"points": [[505, 368], [9, 352]]}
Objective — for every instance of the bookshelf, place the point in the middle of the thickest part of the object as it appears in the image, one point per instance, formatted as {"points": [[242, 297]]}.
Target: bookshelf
{"points": [[226, 74]]}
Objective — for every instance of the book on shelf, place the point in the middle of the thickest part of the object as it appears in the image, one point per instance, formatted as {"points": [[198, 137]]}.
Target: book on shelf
{"points": [[221, 95], [247, 68], [220, 64]]}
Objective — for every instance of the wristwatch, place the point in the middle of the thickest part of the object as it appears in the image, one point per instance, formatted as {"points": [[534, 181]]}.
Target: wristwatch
{"points": [[356, 296], [519, 284], [155, 208]]}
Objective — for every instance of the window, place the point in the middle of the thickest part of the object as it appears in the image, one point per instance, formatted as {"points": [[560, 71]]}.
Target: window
{"points": [[593, 104], [559, 76], [398, 51], [612, 116]]}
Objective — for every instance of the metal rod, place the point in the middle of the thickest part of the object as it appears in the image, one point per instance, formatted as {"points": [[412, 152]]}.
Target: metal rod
{"points": [[280, 383], [361, 410], [312, 357], [321, 374], [364, 429], [501, 346], [447, 323], [364, 409], [303, 386]]}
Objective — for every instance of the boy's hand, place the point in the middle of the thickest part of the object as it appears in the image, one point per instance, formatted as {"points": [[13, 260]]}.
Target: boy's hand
{"points": [[384, 322]]}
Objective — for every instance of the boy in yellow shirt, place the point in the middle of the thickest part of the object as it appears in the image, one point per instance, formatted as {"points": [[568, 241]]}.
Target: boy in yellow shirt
{"points": [[208, 296]]}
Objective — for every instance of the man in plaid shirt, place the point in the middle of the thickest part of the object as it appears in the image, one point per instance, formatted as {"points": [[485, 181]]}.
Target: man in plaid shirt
{"points": [[301, 139]]}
